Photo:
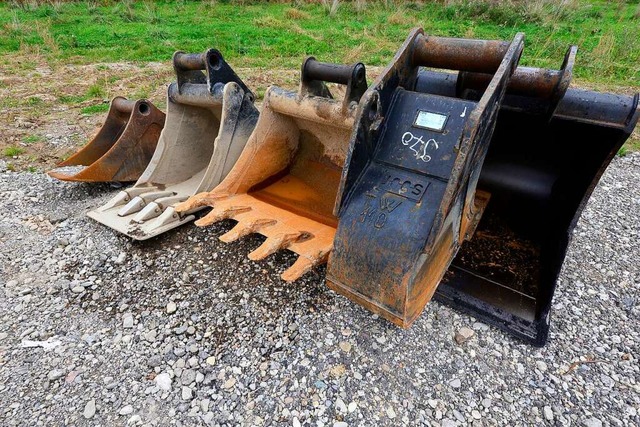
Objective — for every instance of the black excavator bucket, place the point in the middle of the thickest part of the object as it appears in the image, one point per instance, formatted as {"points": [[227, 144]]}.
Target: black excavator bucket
{"points": [[550, 147], [409, 183]]}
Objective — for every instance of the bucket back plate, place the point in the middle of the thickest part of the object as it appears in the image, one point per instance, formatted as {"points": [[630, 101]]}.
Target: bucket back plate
{"points": [[540, 171]]}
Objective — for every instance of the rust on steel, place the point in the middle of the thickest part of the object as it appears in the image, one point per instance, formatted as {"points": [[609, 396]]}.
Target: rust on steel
{"points": [[286, 180], [482, 56], [189, 61], [539, 83], [122, 148]]}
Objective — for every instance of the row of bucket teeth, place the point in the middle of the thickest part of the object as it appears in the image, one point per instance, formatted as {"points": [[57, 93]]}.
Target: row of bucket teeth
{"points": [[311, 240]]}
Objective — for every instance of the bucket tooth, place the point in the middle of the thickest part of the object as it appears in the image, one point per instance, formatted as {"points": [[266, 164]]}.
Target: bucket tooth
{"points": [[246, 227], [218, 214], [273, 244], [135, 205], [168, 216], [152, 210], [198, 201], [210, 115], [139, 203], [298, 269], [124, 197], [157, 208]]}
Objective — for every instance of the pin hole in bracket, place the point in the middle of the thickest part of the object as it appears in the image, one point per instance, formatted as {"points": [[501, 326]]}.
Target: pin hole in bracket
{"points": [[215, 60], [144, 109]]}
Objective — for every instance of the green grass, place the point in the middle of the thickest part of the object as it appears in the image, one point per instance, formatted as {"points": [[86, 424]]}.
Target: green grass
{"points": [[33, 101], [72, 99], [32, 139], [632, 145], [278, 35], [9, 102], [12, 151], [96, 91], [95, 109]]}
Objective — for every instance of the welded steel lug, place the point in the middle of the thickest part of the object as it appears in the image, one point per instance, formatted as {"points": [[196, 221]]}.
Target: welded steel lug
{"points": [[530, 90], [189, 67], [314, 74]]}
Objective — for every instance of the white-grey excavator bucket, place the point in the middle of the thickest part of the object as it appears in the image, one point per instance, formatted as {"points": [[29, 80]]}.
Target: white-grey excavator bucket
{"points": [[209, 120]]}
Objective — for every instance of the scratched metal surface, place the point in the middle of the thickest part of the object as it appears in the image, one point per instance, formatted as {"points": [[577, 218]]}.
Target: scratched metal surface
{"points": [[391, 251]]}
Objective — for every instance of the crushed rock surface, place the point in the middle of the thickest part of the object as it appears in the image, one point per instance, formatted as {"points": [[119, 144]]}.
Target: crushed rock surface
{"points": [[185, 330]]}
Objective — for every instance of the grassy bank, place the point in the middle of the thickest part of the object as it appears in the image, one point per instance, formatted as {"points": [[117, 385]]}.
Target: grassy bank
{"points": [[60, 61], [280, 34]]}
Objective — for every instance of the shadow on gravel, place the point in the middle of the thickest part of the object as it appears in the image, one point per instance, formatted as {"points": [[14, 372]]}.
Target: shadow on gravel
{"points": [[212, 277]]}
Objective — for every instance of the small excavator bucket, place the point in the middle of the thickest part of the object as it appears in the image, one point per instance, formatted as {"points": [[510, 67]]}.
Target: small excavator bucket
{"points": [[408, 190], [122, 148], [550, 147], [285, 183], [209, 119]]}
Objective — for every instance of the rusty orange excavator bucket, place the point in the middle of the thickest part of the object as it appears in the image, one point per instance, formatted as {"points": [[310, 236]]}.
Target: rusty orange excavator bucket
{"points": [[122, 148], [285, 183]]}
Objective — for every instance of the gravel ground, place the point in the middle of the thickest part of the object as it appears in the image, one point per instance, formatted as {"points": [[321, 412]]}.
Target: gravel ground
{"points": [[184, 330]]}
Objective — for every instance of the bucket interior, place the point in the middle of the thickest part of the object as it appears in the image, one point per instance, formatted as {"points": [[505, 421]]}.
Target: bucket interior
{"points": [[309, 186]]}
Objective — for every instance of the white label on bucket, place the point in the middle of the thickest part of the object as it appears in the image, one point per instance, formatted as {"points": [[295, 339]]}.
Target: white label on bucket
{"points": [[431, 121]]}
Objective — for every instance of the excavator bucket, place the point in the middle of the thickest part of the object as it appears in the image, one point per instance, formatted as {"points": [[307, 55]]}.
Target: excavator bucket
{"points": [[209, 119], [285, 183], [122, 148], [408, 190], [550, 147]]}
